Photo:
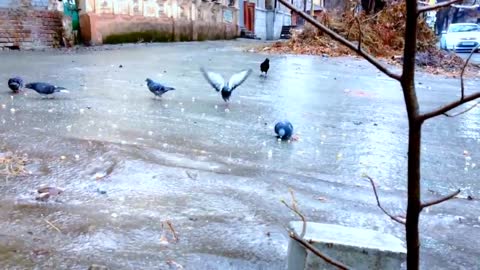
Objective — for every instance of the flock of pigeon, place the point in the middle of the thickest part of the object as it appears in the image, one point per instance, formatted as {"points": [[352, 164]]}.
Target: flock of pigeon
{"points": [[283, 129]]}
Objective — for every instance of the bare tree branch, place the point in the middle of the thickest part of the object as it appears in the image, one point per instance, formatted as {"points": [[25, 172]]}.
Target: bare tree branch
{"points": [[437, 201], [394, 218], [463, 70], [463, 99], [359, 34], [448, 107], [342, 40], [294, 209], [462, 112], [437, 6], [315, 251]]}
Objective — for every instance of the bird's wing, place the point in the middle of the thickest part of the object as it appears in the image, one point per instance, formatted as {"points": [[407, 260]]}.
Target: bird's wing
{"points": [[238, 78], [215, 79], [155, 87]]}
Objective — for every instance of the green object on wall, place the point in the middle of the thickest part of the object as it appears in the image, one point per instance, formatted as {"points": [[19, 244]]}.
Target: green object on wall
{"points": [[70, 9]]}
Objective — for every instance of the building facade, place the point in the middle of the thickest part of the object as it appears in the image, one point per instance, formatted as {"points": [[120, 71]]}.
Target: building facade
{"points": [[117, 21], [263, 18]]}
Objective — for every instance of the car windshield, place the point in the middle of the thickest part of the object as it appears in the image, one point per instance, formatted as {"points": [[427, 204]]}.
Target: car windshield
{"points": [[463, 28]]}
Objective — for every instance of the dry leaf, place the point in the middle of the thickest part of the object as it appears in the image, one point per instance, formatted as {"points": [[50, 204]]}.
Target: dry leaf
{"points": [[321, 199], [175, 264]]}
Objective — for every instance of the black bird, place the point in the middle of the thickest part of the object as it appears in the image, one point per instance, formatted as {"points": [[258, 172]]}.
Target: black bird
{"points": [[157, 89], [45, 88], [264, 66], [284, 130], [226, 88], [15, 84]]}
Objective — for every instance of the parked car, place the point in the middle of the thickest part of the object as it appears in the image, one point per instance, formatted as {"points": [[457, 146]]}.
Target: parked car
{"points": [[460, 36]]}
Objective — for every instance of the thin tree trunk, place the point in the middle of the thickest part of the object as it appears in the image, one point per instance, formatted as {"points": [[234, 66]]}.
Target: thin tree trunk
{"points": [[414, 208], [414, 140]]}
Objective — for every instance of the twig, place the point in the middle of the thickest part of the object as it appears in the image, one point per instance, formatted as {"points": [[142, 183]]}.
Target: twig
{"points": [[448, 107], [359, 48], [317, 252], [463, 70], [170, 226], [332, 34], [372, 17], [395, 218], [437, 6], [437, 201], [462, 112], [294, 209], [53, 226]]}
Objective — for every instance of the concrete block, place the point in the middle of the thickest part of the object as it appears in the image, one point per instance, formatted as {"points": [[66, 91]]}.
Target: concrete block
{"points": [[358, 248]]}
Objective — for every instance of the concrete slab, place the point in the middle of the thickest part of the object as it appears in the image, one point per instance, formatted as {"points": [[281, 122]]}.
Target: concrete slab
{"points": [[356, 247]]}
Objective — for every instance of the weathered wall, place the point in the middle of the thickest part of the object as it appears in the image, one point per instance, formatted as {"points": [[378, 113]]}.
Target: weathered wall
{"points": [[268, 24], [118, 21], [261, 23], [37, 4], [26, 24], [281, 18]]}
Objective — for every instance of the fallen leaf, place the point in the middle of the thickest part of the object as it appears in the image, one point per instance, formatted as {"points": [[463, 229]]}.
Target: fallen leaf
{"points": [[43, 197], [163, 240], [99, 175], [192, 175], [175, 264], [50, 190], [40, 252]]}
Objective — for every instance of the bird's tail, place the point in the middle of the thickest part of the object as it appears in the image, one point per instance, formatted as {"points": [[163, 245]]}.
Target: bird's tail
{"points": [[169, 88]]}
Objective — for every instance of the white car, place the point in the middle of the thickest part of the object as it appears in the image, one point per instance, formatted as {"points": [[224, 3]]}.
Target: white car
{"points": [[460, 36]]}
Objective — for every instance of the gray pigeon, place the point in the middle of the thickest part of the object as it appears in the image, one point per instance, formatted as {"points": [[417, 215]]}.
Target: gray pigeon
{"points": [[284, 130], [157, 89], [15, 84], [226, 88], [45, 88]]}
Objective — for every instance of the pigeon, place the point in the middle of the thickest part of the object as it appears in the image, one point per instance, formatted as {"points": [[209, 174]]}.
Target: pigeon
{"points": [[264, 66], [157, 89], [45, 88], [284, 130], [226, 88], [15, 84]]}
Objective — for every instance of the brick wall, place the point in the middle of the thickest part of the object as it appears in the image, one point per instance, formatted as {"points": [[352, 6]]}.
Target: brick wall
{"points": [[29, 27], [38, 4]]}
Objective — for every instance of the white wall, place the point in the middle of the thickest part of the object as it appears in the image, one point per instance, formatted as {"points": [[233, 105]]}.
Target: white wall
{"points": [[281, 18], [261, 23]]}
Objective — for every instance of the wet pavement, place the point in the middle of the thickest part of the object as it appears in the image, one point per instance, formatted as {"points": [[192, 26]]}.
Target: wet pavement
{"points": [[475, 59], [218, 175]]}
